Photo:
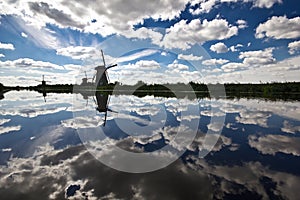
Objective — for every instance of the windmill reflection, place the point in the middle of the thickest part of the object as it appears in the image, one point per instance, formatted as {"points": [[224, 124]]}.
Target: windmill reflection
{"points": [[102, 102]]}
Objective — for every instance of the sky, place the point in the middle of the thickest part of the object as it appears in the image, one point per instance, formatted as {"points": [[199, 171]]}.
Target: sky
{"points": [[158, 41]]}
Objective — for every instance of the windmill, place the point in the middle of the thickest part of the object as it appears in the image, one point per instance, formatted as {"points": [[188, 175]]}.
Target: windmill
{"points": [[102, 102], [101, 75], [85, 80], [43, 81]]}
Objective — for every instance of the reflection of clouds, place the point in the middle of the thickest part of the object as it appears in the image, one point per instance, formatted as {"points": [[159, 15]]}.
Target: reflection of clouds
{"points": [[240, 180], [272, 144], [253, 117], [7, 150], [3, 121], [83, 122], [210, 113], [8, 129], [210, 142], [216, 127], [50, 172], [290, 128], [31, 104], [288, 109]]}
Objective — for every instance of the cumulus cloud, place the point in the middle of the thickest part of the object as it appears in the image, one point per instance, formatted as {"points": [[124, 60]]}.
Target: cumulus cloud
{"points": [[29, 63], [214, 61], [189, 57], [265, 3], [219, 48], [241, 24], [79, 52], [142, 65], [177, 66], [235, 47], [205, 6], [24, 35], [183, 34], [294, 47], [7, 46], [104, 18], [2, 55], [279, 27], [259, 57], [233, 66]]}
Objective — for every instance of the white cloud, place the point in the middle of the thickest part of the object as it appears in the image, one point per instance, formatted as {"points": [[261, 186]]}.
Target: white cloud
{"points": [[138, 55], [144, 33], [259, 57], [214, 61], [205, 6], [294, 47], [24, 35], [79, 52], [108, 17], [241, 24], [233, 66], [189, 57], [282, 71], [265, 3], [236, 47], [142, 65], [2, 55], [7, 46], [175, 66], [219, 48], [183, 34], [29, 63], [279, 28]]}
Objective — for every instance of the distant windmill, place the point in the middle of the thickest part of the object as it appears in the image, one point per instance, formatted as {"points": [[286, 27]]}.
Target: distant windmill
{"points": [[85, 80], [43, 81], [101, 75]]}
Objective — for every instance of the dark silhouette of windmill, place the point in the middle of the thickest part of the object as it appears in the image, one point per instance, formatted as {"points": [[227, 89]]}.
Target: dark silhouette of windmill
{"points": [[101, 75], [102, 102], [43, 81]]}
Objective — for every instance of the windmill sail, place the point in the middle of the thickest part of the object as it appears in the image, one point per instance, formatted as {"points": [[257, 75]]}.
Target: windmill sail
{"points": [[101, 75]]}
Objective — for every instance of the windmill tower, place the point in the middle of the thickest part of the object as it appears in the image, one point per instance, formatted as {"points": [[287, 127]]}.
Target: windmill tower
{"points": [[101, 75]]}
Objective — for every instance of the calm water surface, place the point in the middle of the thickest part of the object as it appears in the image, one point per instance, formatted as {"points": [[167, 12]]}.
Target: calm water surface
{"points": [[43, 156]]}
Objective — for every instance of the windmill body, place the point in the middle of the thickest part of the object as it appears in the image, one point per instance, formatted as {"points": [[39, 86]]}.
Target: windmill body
{"points": [[101, 75]]}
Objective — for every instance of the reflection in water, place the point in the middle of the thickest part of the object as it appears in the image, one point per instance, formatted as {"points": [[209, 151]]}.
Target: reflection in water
{"points": [[102, 101], [256, 157]]}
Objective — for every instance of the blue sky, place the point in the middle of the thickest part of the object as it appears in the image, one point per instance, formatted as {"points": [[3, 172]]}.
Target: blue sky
{"points": [[153, 41]]}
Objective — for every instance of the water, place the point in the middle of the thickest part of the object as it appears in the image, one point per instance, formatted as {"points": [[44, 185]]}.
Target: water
{"points": [[65, 147]]}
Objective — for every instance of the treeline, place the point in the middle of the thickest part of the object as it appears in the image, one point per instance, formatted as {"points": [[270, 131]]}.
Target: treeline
{"points": [[288, 90]]}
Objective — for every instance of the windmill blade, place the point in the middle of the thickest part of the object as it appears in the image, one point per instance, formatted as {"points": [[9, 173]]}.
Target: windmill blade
{"points": [[94, 101], [94, 77], [105, 117], [107, 76], [103, 58], [110, 110], [111, 66]]}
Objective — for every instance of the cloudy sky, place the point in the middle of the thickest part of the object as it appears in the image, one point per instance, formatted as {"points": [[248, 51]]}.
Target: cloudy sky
{"points": [[153, 41]]}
